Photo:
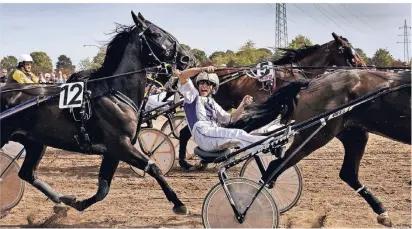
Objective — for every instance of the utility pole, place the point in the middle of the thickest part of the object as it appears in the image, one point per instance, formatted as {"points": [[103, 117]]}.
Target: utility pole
{"points": [[405, 42], [281, 26]]}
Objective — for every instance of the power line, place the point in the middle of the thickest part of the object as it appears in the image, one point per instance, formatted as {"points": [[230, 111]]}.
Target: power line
{"points": [[344, 18], [321, 10], [405, 42], [309, 15], [363, 22]]}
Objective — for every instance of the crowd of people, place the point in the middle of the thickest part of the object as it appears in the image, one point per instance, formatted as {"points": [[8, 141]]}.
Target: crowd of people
{"points": [[23, 74]]}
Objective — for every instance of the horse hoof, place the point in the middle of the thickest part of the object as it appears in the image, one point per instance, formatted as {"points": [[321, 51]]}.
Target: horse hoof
{"points": [[201, 166], [69, 199], [384, 220], [60, 209], [180, 210]]}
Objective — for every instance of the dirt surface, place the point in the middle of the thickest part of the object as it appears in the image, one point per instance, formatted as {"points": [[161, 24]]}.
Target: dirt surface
{"points": [[326, 201]]}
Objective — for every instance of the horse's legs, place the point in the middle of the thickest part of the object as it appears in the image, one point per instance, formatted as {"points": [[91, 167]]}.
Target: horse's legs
{"points": [[107, 169], [34, 154], [129, 154], [184, 137], [321, 139], [354, 141]]}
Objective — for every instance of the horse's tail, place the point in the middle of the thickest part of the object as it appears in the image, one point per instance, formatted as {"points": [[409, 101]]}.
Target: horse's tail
{"points": [[259, 115]]}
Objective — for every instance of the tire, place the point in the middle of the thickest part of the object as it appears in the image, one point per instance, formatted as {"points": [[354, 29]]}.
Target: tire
{"points": [[289, 181], [164, 156], [11, 186], [179, 122], [217, 211]]}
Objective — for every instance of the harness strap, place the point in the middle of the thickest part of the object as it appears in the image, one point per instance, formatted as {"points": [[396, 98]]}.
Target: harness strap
{"points": [[124, 99]]}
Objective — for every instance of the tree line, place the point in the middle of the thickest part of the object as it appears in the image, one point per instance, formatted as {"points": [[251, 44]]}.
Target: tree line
{"points": [[247, 54]]}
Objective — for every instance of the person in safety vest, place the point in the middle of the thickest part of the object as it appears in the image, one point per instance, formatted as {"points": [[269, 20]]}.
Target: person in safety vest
{"points": [[23, 74]]}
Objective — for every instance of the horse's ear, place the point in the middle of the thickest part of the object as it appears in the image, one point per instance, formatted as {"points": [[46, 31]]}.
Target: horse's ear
{"points": [[141, 16], [136, 21], [336, 37]]}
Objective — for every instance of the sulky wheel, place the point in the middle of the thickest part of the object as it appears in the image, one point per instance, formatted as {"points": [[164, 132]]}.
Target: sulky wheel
{"points": [[218, 213], [179, 122], [11, 186], [288, 186], [158, 147]]}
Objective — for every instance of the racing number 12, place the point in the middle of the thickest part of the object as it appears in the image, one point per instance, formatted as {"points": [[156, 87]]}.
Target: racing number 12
{"points": [[71, 95]]}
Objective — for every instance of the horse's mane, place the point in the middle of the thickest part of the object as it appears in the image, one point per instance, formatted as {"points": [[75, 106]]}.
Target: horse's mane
{"points": [[259, 115], [114, 53], [294, 55]]}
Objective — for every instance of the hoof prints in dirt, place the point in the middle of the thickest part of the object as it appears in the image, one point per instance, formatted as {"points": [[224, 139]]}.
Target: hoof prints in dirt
{"points": [[139, 202]]}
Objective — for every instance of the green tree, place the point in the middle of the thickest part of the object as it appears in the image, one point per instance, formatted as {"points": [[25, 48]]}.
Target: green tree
{"points": [[217, 54], [64, 64], [299, 42], [382, 58], [397, 63], [85, 64], [248, 55], [9, 63], [362, 54], [229, 52], [41, 62], [98, 60], [249, 45], [95, 63], [187, 47], [200, 56]]}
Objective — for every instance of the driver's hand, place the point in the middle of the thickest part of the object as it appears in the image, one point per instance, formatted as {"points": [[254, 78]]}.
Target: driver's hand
{"points": [[209, 69], [247, 100], [176, 72]]}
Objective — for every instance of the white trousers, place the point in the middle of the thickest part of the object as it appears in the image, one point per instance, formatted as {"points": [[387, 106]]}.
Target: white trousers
{"points": [[210, 137], [155, 101]]}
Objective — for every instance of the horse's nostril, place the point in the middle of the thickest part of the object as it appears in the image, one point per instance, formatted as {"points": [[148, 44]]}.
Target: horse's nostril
{"points": [[184, 59]]}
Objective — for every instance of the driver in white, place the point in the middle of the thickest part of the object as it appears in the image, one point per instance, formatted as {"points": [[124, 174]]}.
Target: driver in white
{"points": [[205, 116]]}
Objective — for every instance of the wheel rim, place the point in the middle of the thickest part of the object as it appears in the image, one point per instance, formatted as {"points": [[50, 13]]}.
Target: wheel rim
{"points": [[217, 211], [11, 186], [288, 186], [179, 123], [159, 146]]}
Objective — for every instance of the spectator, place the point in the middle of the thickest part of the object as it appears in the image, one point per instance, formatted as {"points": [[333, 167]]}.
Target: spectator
{"points": [[3, 78], [52, 77], [40, 75], [59, 78], [47, 78], [64, 78]]}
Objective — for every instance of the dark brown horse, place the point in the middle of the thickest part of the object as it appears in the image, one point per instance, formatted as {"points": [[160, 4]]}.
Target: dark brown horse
{"points": [[337, 52], [388, 116], [114, 117]]}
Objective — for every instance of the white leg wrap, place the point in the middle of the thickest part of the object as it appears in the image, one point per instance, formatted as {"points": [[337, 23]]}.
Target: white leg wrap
{"points": [[148, 164], [360, 189], [384, 214]]}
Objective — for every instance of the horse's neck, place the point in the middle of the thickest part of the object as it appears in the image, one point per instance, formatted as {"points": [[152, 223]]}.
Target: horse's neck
{"points": [[317, 59], [132, 85]]}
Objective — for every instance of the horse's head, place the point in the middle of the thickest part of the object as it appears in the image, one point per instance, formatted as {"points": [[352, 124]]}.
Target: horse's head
{"points": [[160, 46], [338, 52], [342, 53]]}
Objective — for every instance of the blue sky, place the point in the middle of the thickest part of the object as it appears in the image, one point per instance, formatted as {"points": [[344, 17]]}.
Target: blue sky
{"points": [[64, 28]]}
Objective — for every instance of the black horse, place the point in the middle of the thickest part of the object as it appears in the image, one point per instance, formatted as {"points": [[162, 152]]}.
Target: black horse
{"points": [[388, 116], [114, 104]]}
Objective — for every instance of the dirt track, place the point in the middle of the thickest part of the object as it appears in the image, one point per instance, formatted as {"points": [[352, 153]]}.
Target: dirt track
{"points": [[135, 202]]}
